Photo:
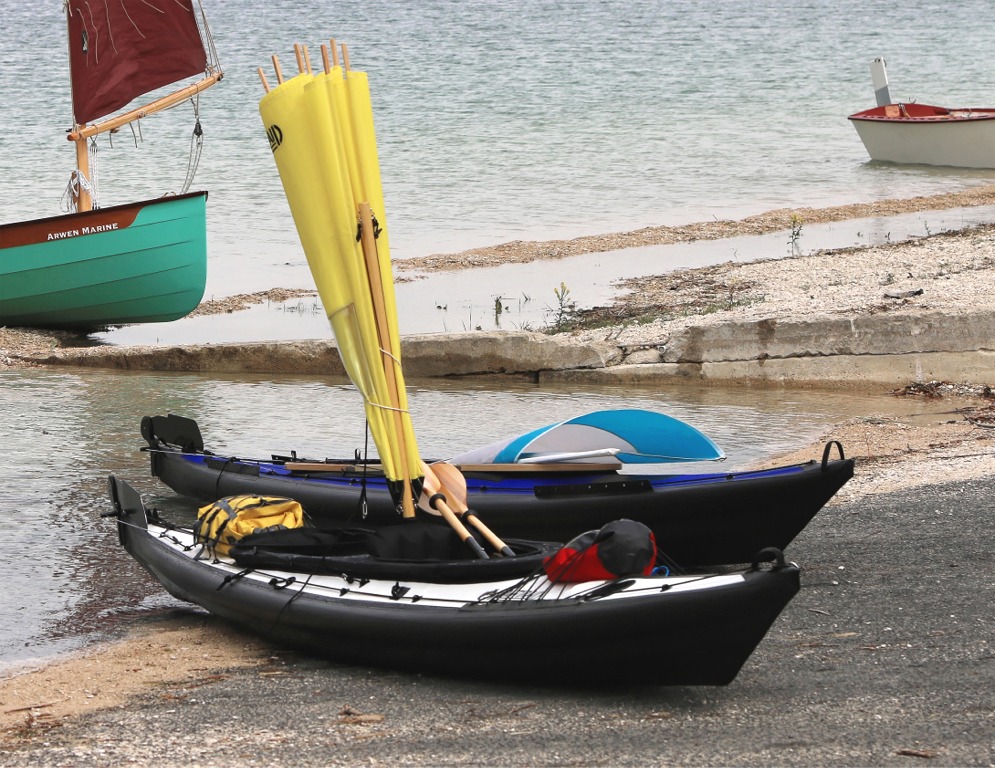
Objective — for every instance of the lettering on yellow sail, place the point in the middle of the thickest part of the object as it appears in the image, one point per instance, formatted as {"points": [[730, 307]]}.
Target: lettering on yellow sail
{"points": [[83, 231], [275, 137]]}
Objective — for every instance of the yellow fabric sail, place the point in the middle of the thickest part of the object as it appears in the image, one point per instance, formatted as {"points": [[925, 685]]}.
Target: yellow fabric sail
{"points": [[322, 136]]}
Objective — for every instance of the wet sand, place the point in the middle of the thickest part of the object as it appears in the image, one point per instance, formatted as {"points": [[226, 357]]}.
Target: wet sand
{"points": [[168, 664]]}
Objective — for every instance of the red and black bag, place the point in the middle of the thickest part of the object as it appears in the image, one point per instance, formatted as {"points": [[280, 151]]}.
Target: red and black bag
{"points": [[620, 548]]}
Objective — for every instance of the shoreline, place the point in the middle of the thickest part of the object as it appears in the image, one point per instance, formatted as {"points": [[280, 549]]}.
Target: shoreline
{"points": [[21, 347], [857, 318], [524, 251], [953, 443]]}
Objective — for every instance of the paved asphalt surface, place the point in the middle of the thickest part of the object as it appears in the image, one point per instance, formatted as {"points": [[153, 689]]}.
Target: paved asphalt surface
{"points": [[884, 658]]}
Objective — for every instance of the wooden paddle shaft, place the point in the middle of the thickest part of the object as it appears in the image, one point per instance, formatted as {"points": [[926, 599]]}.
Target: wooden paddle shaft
{"points": [[492, 537], [460, 529], [454, 484]]}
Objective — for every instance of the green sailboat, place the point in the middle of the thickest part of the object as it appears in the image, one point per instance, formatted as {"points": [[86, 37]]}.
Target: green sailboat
{"points": [[140, 262]]}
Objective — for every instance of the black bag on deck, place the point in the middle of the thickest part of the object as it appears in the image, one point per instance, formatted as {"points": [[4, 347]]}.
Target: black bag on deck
{"points": [[619, 548], [418, 551]]}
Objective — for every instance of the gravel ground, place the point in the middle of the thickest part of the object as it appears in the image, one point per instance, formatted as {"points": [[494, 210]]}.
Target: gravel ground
{"points": [[884, 658], [951, 272], [522, 251]]}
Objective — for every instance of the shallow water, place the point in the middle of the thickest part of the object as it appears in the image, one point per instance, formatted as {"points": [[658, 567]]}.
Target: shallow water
{"points": [[466, 300], [67, 583]]}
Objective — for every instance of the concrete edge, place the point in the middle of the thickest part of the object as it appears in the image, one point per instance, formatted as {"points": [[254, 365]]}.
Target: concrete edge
{"points": [[828, 352]]}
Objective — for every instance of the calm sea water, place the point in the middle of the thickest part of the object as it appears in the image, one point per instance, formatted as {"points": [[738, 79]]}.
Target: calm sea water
{"points": [[523, 120]]}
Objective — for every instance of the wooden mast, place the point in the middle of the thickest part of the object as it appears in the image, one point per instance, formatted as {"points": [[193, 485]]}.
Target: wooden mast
{"points": [[372, 263]]}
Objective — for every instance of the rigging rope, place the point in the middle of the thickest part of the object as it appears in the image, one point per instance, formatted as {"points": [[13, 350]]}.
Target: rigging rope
{"points": [[196, 147]]}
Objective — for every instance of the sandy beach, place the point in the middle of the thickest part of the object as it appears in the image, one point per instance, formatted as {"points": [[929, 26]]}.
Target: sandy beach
{"points": [[168, 663]]}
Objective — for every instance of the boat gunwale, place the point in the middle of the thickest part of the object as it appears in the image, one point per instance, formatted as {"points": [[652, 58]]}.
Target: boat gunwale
{"points": [[317, 585], [10, 226], [941, 116]]}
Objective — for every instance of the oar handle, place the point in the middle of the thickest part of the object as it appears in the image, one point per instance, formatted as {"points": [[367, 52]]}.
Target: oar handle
{"points": [[438, 501], [492, 537]]}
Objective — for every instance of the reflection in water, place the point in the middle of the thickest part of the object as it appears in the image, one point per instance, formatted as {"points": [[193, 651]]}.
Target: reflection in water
{"points": [[66, 581]]}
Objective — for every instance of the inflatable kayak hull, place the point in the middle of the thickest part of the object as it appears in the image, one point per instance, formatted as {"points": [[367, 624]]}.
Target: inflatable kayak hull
{"points": [[662, 630], [700, 519]]}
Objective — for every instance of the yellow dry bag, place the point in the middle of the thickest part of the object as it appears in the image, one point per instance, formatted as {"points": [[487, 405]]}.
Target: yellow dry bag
{"points": [[221, 524]]}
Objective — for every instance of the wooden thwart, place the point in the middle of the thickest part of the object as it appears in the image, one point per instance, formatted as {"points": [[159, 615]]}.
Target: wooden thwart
{"points": [[327, 466], [320, 466]]}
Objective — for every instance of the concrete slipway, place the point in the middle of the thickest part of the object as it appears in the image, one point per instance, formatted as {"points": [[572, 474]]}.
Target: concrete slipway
{"points": [[855, 352]]}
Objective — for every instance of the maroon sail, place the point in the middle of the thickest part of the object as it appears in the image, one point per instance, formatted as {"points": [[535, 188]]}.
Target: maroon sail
{"points": [[122, 49]]}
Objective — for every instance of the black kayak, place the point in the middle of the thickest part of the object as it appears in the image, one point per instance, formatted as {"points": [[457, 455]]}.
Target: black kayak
{"points": [[511, 622], [701, 519]]}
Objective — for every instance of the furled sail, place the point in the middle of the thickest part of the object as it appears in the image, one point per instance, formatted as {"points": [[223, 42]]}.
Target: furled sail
{"points": [[122, 49], [321, 132]]}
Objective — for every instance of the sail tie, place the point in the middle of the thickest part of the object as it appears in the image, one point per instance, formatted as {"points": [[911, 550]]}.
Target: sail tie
{"points": [[77, 181], [383, 407]]}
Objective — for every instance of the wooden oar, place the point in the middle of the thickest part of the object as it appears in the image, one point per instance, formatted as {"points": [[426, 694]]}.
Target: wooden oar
{"points": [[433, 500], [455, 485]]}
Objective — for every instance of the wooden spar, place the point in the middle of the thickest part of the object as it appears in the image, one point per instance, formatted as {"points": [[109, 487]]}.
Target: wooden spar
{"points": [[279, 72], [372, 259], [262, 77], [335, 52], [307, 60], [301, 69], [81, 195], [325, 62], [345, 58], [86, 131], [327, 466]]}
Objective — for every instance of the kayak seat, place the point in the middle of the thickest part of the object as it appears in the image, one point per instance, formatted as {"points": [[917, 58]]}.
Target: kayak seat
{"points": [[426, 551]]}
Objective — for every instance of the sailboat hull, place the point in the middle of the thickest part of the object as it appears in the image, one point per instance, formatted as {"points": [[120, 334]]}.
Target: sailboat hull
{"points": [[923, 134], [141, 262]]}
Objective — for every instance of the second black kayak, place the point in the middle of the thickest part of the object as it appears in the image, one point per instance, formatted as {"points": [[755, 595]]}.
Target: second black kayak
{"points": [[697, 519]]}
